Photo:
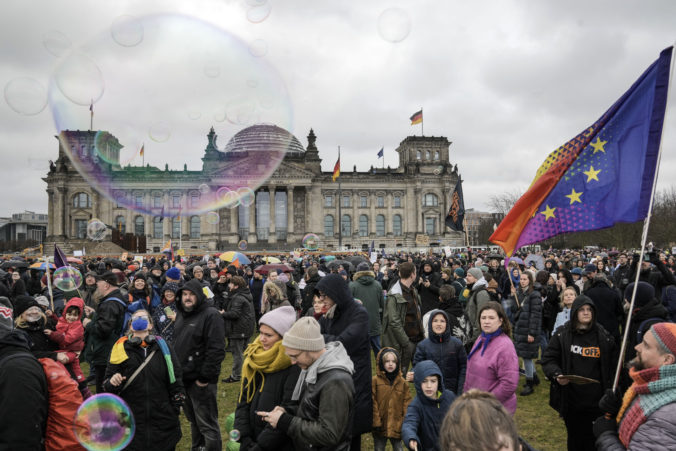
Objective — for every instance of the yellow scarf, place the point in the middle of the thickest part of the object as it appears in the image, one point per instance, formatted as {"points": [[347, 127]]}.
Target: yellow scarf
{"points": [[259, 361]]}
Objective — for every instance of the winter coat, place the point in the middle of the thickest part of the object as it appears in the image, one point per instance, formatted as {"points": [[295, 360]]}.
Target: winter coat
{"points": [[477, 299], [608, 306], [561, 318], [239, 314], [446, 351], [496, 371], [105, 328], [164, 326], [424, 415], [394, 318], [528, 321], [149, 395], [658, 432], [365, 288], [653, 309], [429, 296], [24, 394], [326, 405], [70, 336], [349, 326], [461, 327], [40, 345], [390, 399], [199, 338], [275, 390], [309, 293], [599, 349], [550, 307]]}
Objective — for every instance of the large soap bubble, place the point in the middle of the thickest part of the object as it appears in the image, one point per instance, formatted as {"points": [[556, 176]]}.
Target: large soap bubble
{"points": [[311, 242], [25, 96], [67, 278], [96, 229], [163, 95], [394, 25], [104, 422]]}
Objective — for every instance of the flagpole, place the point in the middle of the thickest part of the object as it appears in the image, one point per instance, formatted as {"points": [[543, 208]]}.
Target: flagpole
{"points": [[340, 208], [644, 235]]}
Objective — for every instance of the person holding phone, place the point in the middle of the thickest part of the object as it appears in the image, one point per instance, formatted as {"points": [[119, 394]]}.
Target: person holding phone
{"points": [[164, 318]]}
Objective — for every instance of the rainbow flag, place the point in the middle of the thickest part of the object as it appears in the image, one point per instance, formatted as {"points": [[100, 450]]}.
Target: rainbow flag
{"points": [[602, 176], [336, 169], [416, 118]]}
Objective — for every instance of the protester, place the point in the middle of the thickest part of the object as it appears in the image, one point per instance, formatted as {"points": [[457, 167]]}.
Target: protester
{"points": [[164, 317], [391, 397], [567, 297], [478, 297], [527, 327], [648, 310], [273, 296], [608, 305], [239, 323], [365, 288]]}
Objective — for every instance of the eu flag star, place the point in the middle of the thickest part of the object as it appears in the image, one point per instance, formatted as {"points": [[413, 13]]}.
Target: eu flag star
{"points": [[549, 212], [574, 197], [592, 174], [598, 145]]}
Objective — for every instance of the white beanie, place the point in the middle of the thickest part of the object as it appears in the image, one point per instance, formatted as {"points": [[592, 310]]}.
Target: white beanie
{"points": [[304, 335], [280, 319]]}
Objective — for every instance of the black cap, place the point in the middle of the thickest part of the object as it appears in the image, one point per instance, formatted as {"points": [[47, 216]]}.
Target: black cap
{"points": [[109, 277]]}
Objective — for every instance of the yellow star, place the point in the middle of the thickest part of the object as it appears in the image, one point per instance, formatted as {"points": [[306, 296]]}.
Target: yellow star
{"points": [[592, 174], [549, 212], [574, 197], [598, 145]]}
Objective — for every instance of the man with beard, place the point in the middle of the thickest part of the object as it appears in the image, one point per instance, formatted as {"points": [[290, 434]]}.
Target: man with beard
{"points": [[644, 417]]}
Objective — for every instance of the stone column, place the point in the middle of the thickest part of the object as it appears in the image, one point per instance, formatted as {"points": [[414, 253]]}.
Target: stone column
{"points": [[289, 212], [252, 220], [61, 211], [272, 237], [50, 212], [372, 199], [414, 208], [389, 218], [234, 220], [166, 222]]}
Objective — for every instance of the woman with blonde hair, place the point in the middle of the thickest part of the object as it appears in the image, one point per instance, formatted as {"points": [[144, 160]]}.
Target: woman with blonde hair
{"points": [[273, 297]]}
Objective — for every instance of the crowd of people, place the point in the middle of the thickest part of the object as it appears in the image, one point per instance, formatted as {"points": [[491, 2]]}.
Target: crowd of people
{"points": [[326, 350]]}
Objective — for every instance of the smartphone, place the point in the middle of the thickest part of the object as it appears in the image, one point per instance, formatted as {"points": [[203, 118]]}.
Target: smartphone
{"points": [[168, 311]]}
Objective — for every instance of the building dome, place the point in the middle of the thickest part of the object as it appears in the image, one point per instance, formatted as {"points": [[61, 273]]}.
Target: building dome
{"points": [[264, 138]]}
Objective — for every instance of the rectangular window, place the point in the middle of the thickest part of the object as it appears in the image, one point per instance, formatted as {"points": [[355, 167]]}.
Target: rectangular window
{"points": [[157, 201], [138, 200], [328, 201], [363, 201], [81, 228], [194, 200], [430, 225], [381, 201], [176, 201], [346, 201], [397, 201], [176, 229]]}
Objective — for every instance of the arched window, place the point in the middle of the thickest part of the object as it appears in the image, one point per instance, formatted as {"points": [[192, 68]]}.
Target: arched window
{"points": [[328, 226], [396, 225], [418, 155], [139, 225], [157, 227], [380, 225], [82, 200], [346, 225], [176, 228], [427, 155], [120, 224], [363, 225], [436, 154], [430, 200], [194, 227]]}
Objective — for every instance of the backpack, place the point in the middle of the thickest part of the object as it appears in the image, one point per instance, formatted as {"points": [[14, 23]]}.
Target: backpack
{"points": [[64, 400], [493, 295], [669, 301]]}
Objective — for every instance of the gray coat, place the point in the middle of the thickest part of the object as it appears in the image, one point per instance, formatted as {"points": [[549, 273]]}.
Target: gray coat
{"points": [[658, 431]]}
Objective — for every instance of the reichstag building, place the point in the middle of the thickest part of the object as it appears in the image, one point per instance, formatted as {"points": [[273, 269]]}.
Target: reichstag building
{"points": [[402, 207]]}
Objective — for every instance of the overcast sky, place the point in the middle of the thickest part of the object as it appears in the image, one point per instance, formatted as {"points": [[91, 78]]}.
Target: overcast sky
{"points": [[505, 81]]}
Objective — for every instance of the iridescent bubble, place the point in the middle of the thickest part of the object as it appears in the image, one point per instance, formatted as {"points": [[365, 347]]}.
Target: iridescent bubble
{"points": [[258, 48], [246, 196], [79, 79], [104, 422], [26, 96], [159, 132], [235, 435], [67, 278], [242, 245], [204, 188], [96, 229], [213, 218], [161, 91], [311, 242], [394, 25], [258, 14], [56, 43], [127, 31]]}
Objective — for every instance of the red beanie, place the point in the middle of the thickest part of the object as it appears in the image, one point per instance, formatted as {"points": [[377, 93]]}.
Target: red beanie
{"points": [[665, 333]]}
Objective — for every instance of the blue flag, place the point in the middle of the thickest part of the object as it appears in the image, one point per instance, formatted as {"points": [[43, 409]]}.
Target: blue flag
{"points": [[381, 153]]}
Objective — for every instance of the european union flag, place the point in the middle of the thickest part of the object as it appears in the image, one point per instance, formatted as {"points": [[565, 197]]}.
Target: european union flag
{"points": [[602, 176], [381, 153]]}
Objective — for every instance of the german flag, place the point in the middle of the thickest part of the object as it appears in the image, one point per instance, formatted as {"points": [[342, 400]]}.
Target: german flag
{"points": [[416, 118], [336, 170]]}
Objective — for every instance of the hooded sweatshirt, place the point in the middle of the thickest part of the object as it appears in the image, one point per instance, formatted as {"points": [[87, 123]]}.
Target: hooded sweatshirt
{"points": [[365, 288], [424, 415]]}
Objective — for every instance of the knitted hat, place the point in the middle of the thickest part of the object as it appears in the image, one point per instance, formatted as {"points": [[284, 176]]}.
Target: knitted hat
{"points": [[173, 273], [644, 293], [6, 322], [42, 301], [170, 286], [459, 272], [304, 335], [577, 271], [363, 266], [665, 333], [23, 303], [280, 319], [589, 269], [475, 272]]}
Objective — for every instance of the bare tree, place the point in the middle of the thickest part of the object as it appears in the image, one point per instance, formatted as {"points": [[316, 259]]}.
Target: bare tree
{"points": [[503, 202]]}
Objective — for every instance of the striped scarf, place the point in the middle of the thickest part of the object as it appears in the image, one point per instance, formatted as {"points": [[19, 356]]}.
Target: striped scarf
{"points": [[655, 387]]}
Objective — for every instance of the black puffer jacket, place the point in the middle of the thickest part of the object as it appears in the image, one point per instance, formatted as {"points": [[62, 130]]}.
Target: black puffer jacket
{"points": [[309, 293], [105, 328], [528, 322], [199, 338], [40, 345], [429, 296], [653, 309], [149, 396], [608, 305], [239, 314], [350, 326]]}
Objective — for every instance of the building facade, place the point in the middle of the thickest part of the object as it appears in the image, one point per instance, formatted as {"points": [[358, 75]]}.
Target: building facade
{"points": [[402, 207], [27, 226]]}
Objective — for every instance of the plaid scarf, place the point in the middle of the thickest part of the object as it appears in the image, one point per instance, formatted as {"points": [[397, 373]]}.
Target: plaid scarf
{"points": [[655, 387]]}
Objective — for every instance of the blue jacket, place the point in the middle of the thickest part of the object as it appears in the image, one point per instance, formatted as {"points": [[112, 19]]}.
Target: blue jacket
{"points": [[446, 351], [424, 415]]}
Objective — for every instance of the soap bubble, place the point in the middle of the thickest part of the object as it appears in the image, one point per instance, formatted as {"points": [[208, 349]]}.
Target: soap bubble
{"points": [[104, 422], [159, 132], [79, 79], [235, 435], [127, 31], [246, 196], [56, 43], [311, 242], [96, 229], [394, 25], [258, 14], [204, 188], [67, 278], [242, 245], [213, 218], [26, 96]]}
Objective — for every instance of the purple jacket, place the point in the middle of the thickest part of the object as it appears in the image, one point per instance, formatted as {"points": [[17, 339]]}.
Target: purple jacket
{"points": [[497, 371]]}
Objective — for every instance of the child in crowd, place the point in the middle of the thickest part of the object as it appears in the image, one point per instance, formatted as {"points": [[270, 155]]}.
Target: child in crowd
{"points": [[391, 398], [69, 335], [567, 297], [443, 349], [424, 415]]}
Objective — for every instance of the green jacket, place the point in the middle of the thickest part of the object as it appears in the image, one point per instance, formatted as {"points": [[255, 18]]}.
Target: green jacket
{"points": [[394, 318], [365, 288]]}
